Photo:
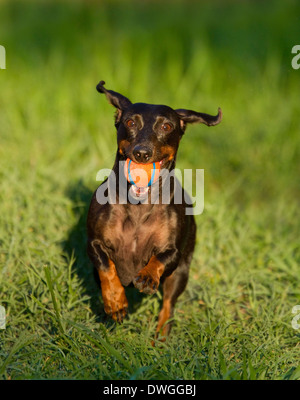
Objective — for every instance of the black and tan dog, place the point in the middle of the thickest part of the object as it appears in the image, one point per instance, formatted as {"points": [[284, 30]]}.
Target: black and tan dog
{"points": [[144, 244]]}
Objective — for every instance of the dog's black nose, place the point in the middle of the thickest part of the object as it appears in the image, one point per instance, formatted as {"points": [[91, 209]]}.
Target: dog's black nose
{"points": [[142, 153]]}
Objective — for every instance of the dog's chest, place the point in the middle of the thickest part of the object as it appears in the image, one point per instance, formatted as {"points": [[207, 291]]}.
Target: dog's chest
{"points": [[134, 234], [132, 230]]}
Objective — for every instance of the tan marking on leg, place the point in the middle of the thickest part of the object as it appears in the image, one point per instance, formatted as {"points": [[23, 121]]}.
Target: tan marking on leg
{"points": [[113, 293]]}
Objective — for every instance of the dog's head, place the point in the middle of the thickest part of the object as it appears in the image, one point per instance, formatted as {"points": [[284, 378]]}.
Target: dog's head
{"points": [[149, 133]]}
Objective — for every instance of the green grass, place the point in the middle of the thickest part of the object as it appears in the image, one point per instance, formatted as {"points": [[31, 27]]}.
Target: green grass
{"points": [[56, 132]]}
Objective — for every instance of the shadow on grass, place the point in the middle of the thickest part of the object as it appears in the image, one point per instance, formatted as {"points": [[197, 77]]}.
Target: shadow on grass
{"points": [[75, 246]]}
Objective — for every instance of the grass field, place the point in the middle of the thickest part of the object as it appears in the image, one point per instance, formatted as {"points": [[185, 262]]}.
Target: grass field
{"points": [[56, 132]]}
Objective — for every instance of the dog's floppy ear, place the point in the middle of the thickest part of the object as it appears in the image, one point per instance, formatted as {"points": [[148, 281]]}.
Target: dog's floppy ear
{"points": [[189, 116], [116, 99]]}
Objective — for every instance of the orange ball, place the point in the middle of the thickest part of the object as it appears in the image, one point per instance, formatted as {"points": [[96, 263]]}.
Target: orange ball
{"points": [[141, 175]]}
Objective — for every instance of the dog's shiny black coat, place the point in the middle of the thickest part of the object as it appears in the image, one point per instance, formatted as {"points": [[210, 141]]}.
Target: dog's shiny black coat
{"points": [[144, 244]]}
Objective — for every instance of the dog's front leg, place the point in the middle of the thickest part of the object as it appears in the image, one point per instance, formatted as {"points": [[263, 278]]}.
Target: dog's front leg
{"points": [[148, 279], [113, 293]]}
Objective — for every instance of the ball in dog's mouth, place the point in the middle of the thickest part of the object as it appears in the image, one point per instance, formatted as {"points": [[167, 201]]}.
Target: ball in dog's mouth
{"points": [[141, 175]]}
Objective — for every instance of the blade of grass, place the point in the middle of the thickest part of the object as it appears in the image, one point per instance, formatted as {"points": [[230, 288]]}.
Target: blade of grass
{"points": [[55, 304]]}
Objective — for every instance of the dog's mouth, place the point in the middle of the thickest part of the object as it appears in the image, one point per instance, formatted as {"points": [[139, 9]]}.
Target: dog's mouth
{"points": [[139, 192], [140, 189]]}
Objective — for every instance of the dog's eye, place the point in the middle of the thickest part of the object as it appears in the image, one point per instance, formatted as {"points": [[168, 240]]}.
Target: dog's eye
{"points": [[166, 127], [130, 123]]}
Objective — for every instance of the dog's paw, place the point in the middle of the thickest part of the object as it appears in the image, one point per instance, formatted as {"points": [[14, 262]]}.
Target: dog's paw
{"points": [[146, 283], [119, 315], [117, 310]]}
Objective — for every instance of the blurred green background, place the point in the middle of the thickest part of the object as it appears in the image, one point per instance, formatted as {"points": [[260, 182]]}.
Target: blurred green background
{"points": [[56, 132]]}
